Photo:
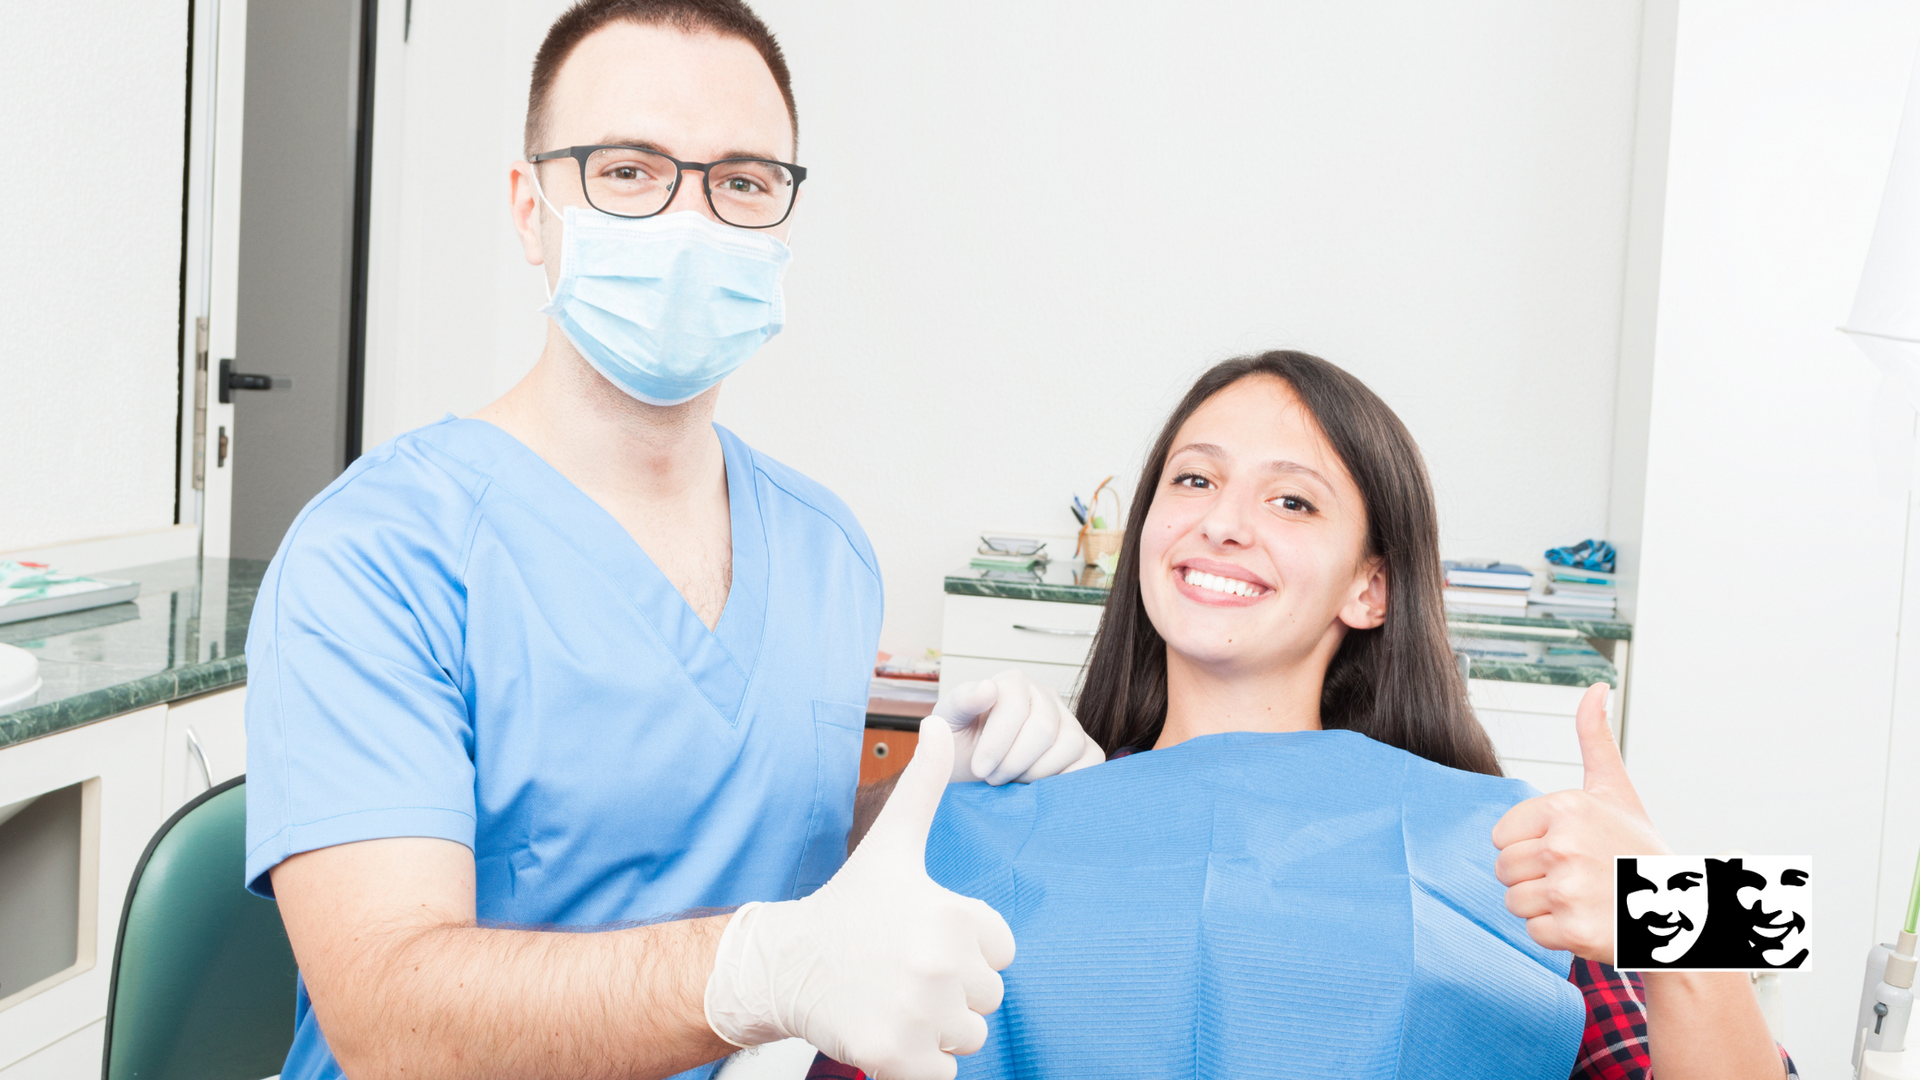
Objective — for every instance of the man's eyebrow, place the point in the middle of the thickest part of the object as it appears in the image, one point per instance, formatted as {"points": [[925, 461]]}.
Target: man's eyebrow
{"points": [[649, 144], [1689, 876], [638, 144]]}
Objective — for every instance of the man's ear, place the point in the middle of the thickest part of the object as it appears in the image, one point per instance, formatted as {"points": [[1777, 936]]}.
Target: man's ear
{"points": [[528, 213], [1367, 607]]}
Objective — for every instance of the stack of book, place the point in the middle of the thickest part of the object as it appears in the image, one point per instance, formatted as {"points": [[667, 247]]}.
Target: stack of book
{"points": [[1478, 587], [1575, 593]]}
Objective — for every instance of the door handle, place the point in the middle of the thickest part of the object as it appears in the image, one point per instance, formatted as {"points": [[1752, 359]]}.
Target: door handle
{"points": [[233, 380], [1053, 630]]}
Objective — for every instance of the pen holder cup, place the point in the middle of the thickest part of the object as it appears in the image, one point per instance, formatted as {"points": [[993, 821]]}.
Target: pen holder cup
{"points": [[1097, 542]]}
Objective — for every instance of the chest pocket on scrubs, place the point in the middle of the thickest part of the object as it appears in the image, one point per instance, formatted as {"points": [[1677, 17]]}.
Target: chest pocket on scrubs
{"points": [[837, 733]]}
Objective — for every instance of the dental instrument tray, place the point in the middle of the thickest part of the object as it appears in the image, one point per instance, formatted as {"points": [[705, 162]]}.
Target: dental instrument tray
{"points": [[30, 591]]}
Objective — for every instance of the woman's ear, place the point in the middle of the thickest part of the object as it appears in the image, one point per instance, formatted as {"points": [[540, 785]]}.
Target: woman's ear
{"points": [[1367, 607]]}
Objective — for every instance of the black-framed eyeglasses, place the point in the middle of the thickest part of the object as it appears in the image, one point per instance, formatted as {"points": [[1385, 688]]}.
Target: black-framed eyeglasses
{"points": [[633, 182]]}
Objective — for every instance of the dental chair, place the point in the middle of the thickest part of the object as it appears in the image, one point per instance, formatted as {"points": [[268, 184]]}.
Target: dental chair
{"points": [[203, 977]]}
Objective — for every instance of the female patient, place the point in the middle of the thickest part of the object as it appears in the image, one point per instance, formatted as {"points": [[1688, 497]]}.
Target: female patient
{"points": [[1299, 879]]}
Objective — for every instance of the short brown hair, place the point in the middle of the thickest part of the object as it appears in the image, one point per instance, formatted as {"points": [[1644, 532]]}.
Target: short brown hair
{"points": [[727, 18]]}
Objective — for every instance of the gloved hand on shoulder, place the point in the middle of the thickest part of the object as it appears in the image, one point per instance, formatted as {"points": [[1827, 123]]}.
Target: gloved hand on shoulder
{"points": [[1010, 728]]}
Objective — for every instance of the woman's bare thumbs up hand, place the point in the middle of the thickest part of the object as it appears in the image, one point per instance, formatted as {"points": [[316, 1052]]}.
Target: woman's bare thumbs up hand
{"points": [[1557, 851]]}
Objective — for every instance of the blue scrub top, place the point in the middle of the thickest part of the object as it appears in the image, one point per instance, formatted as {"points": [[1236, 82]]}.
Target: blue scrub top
{"points": [[454, 641]]}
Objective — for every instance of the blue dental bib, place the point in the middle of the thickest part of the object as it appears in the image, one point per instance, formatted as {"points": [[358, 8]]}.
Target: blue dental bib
{"points": [[1311, 904]]}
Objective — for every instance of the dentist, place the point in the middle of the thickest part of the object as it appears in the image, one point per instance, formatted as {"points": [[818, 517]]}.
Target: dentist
{"points": [[585, 661]]}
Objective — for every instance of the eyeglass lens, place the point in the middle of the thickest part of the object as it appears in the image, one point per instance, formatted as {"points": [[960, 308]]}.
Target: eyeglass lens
{"points": [[638, 183]]}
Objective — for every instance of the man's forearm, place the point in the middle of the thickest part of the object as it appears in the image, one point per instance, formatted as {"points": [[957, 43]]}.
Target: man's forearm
{"points": [[868, 801], [466, 1002], [1707, 1025]]}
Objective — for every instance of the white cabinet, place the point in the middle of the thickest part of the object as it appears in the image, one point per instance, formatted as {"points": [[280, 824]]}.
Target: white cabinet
{"points": [[206, 744], [1532, 729], [1047, 639], [116, 763], [77, 808]]}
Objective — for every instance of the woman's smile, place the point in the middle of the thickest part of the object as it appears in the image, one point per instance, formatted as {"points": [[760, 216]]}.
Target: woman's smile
{"points": [[1219, 584]]}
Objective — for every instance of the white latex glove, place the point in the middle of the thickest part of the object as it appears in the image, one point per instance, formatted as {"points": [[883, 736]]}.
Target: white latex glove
{"points": [[1012, 728], [881, 969]]}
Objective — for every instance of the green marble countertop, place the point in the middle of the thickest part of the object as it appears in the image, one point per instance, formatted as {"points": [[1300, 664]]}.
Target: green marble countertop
{"points": [[185, 634], [1606, 629], [1061, 580], [1534, 648], [1515, 652]]}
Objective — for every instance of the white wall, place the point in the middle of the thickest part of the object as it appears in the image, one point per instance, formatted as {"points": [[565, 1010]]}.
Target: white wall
{"points": [[453, 317], [1028, 228], [1640, 297], [1769, 599], [90, 290]]}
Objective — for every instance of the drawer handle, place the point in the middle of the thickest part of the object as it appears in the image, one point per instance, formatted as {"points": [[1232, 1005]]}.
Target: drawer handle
{"points": [[1052, 630], [200, 756]]}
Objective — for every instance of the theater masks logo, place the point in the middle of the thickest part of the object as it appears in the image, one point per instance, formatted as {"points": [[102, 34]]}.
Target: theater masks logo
{"points": [[1689, 913]]}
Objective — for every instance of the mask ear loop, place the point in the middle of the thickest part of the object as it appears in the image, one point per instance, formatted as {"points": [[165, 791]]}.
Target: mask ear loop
{"points": [[534, 171]]}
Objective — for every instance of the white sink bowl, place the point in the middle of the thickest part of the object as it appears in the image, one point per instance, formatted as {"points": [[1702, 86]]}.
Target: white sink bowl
{"points": [[19, 676]]}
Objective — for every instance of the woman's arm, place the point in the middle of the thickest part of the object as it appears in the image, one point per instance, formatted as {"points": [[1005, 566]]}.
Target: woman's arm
{"points": [[1707, 1024], [1556, 859]]}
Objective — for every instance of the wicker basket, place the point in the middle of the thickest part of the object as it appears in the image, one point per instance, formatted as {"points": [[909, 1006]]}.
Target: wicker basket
{"points": [[1095, 543]]}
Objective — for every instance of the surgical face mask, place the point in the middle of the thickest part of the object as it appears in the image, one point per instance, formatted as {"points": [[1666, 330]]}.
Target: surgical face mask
{"points": [[667, 306]]}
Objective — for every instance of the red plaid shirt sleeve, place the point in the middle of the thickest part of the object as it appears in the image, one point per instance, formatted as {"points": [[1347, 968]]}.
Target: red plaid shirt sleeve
{"points": [[1614, 1046]]}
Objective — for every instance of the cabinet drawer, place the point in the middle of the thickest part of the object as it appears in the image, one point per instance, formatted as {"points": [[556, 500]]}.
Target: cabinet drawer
{"points": [[1532, 736], [1524, 697], [1062, 679], [1040, 630], [885, 753], [1532, 721]]}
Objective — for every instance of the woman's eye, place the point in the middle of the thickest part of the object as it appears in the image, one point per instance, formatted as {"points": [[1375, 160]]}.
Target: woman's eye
{"points": [[1293, 504], [1192, 480]]}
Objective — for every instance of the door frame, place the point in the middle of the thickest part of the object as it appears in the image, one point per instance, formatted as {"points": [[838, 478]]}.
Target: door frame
{"points": [[210, 264]]}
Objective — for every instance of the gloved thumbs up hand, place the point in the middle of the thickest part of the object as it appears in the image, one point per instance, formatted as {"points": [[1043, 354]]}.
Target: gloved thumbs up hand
{"points": [[880, 969], [1557, 850]]}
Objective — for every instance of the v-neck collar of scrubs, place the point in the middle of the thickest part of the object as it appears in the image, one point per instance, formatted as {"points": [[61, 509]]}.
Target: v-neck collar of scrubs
{"points": [[720, 662]]}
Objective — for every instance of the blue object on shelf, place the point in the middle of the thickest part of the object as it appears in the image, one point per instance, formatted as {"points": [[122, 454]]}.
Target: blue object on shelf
{"points": [[1585, 555]]}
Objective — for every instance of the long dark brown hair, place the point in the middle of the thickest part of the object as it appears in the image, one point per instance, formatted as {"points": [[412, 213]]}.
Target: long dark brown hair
{"points": [[1396, 683]]}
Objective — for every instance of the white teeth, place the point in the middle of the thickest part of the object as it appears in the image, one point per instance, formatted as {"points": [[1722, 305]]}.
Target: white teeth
{"points": [[1216, 583]]}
